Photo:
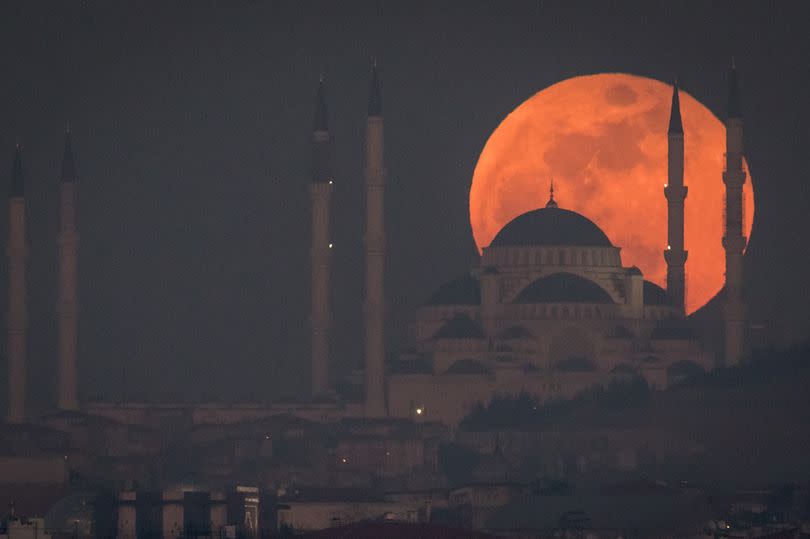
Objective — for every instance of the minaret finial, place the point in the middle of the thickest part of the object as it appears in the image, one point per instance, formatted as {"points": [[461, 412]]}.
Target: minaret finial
{"points": [[551, 202], [734, 108], [17, 178], [68, 165], [321, 122], [374, 97], [675, 123]]}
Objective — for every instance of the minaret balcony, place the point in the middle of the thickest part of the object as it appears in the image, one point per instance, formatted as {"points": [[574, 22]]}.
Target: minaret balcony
{"points": [[675, 192]]}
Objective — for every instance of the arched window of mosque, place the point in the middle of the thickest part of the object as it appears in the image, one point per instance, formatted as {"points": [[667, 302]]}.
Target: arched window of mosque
{"points": [[565, 312], [598, 313], [554, 311], [562, 257]]}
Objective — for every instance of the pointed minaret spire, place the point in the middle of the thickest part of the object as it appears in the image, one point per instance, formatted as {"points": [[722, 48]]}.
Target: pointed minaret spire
{"points": [[551, 202], [734, 107], [68, 293], [17, 295], [321, 122], [375, 253], [734, 239], [68, 165], [675, 124], [374, 97], [675, 192], [17, 179], [320, 191]]}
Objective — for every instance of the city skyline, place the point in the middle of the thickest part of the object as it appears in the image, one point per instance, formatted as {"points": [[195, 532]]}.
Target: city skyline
{"points": [[192, 183]]}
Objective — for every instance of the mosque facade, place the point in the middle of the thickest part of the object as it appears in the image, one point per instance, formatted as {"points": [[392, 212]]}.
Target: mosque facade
{"points": [[550, 310]]}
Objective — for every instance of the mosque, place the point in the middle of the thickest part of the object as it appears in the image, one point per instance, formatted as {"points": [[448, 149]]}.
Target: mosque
{"points": [[550, 310]]}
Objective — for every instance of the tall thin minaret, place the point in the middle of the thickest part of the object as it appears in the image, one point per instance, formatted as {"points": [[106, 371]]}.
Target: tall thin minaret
{"points": [[320, 191], [675, 193], [734, 241], [375, 253], [17, 321], [68, 306]]}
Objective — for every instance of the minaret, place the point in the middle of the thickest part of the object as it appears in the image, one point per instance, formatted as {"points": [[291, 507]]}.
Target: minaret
{"points": [[675, 193], [320, 191], [17, 322], [734, 241], [68, 306], [375, 253]]}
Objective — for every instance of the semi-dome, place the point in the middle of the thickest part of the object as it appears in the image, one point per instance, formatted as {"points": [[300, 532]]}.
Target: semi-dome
{"points": [[461, 291], [460, 326], [563, 288], [551, 226], [654, 294]]}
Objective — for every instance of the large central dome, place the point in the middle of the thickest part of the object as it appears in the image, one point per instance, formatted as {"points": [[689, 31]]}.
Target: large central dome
{"points": [[551, 226]]}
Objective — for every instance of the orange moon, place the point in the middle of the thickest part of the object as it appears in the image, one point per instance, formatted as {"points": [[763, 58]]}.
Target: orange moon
{"points": [[603, 139]]}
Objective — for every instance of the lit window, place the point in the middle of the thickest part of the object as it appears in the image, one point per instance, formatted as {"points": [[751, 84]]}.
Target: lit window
{"points": [[419, 411]]}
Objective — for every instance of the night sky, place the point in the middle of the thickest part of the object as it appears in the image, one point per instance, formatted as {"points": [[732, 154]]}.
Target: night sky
{"points": [[191, 126]]}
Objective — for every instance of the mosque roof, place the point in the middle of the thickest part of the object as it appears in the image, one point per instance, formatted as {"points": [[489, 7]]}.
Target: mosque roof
{"points": [[460, 326], [563, 288], [467, 366], [672, 330], [516, 332], [654, 294], [551, 226], [624, 368], [461, 291]]}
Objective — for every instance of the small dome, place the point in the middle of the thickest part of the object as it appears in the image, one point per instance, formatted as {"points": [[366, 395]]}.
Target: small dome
{"points": [[563, 288], [462, 291], [672, 330], [685, 368], [624, 369], [419, 365], [575, 364], [467, 366], [460, 326], [621, 332], [516, 332], [654, 294], [551, 226]]}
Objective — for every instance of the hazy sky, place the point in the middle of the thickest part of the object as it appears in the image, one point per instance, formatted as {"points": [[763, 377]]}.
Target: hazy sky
{"points": [[191, 125]]}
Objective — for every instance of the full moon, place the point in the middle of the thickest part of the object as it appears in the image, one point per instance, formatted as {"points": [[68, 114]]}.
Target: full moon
{"points": [[603, 140]]}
